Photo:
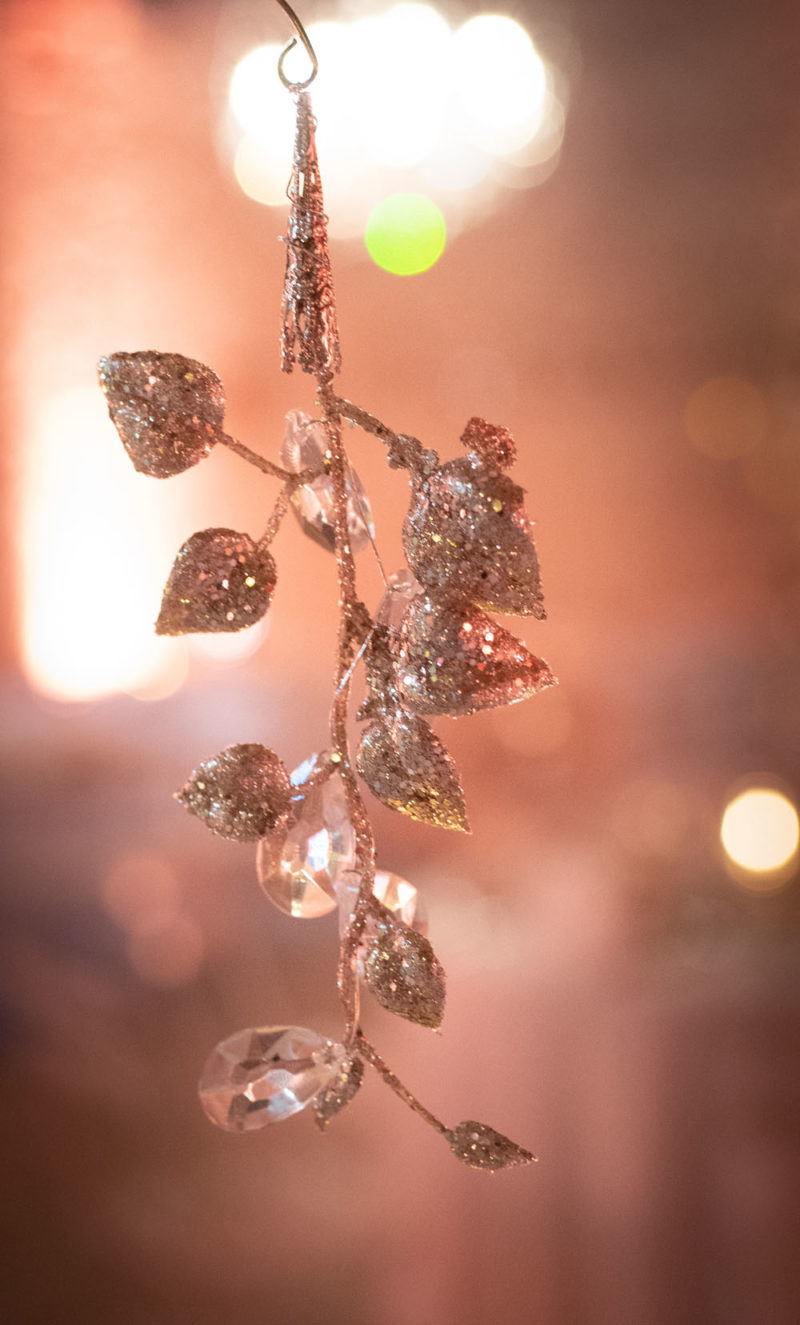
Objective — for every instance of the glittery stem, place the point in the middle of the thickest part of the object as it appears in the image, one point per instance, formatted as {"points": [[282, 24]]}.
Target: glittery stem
{"points": [[348, 604], [253, 458], [405, 452], [372, 1056]]}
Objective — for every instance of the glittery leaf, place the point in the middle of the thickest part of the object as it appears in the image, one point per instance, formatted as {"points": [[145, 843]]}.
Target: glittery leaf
{"points": [[220, 581], [467, 533], [167, 409], [402, 970], [407, 767], [481, 1147], [454, 659], [241, 793], [336, 1096], [492, 443]]}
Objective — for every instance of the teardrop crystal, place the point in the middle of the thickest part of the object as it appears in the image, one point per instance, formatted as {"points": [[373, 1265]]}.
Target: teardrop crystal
{"points": [[395, 893], [266, 1074], [300, 870], [304, 446]]}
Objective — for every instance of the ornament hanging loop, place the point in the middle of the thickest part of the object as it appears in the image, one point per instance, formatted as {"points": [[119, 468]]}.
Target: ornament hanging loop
{"points": [[309, 49]]}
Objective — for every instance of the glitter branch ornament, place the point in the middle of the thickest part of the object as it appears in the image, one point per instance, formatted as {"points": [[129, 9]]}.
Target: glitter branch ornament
{"points": [[430, 649]]}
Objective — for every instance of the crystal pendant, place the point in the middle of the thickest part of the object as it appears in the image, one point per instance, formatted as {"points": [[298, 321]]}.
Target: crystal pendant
{"points": [[264, 1075], [395, 893], [401, 588], [304, 446], [301, 870]]}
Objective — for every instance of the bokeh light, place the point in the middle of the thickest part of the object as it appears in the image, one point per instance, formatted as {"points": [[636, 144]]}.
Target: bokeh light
{"points": [[479, 114], [167, 950], [93, 558], [406, 234], [760, 832], [726, 417]]}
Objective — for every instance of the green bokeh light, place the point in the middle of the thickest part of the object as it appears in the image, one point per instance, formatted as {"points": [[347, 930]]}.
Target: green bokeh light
{"points": [[405, 234]]}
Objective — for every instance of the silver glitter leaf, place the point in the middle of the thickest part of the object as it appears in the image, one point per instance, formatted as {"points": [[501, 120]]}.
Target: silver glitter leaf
{"points": [[407, 767], [454, 659], [481, 1147], [467, 533], [220, 581], [492, 443], [337, 1095], [402, 970], [167, 409], [241, 793]]}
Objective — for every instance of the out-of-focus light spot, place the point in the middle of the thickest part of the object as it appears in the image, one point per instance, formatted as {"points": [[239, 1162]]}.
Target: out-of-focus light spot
{"points": [[171, 676], [456, 166], [402, 101], [726, 417], [405, 234], [760, 832], [138, 887], [772, 471], [258, 99], [405, 117], [91, 580], [167, 950], [226, 649], [261, 173], [500, 81]]}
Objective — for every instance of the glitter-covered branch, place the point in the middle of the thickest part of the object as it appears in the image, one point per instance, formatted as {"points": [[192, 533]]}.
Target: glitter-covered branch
{"points": [[429, 649]]}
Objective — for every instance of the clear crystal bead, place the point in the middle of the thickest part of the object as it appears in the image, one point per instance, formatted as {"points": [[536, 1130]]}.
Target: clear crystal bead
{"points": [[397, 895], [401, 588], [262, 1075], [301, 871], [304, 445]]}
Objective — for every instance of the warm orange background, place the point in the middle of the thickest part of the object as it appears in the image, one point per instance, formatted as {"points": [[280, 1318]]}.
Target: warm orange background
{"points": [[615, 1002]]}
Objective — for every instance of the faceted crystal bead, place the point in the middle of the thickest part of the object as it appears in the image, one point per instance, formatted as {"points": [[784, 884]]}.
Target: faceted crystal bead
{"points": [[263, 1075], [397, 895], [401, 588], [304, 446], [301, 870]]}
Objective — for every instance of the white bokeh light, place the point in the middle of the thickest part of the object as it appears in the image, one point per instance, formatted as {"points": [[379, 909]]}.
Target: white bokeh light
{"points": [[404, 102]]}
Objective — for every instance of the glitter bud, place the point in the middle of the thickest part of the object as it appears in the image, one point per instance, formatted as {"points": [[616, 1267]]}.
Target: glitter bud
{"points": [[241, 793], [220, 581], [454, 659], [167, 409], [467, 532]]}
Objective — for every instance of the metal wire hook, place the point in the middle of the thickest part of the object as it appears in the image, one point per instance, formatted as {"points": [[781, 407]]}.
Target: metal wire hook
{"points": [[309, 49]]}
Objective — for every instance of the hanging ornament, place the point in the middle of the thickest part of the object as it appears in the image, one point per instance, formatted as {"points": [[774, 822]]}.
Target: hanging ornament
{"points": [[429, 649], [492, 444], [241, 793], [304, 446], [407, 767], [220, 581], [454, 659], [310, 329], [301, 867], [481, 1147], [167, 409], [467, 533], [264, 1075], [346, 1083], [402, 970]]}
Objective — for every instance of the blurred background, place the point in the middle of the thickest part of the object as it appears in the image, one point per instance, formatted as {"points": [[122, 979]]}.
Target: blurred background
{"points": [[604, 210]]}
